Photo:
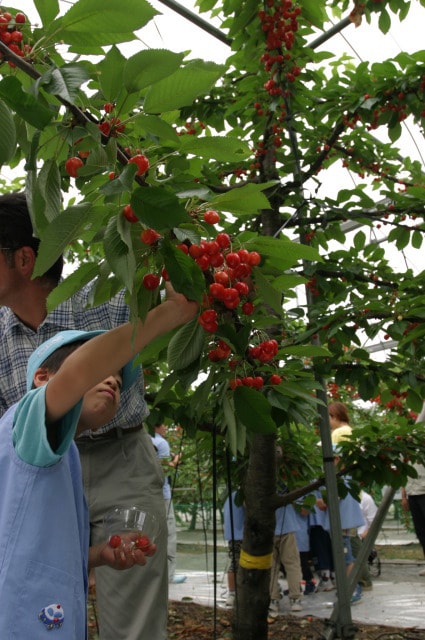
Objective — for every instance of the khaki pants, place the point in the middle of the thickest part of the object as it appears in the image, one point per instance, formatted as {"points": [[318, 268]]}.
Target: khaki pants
{"points": [[132, 604], [285, 551]]}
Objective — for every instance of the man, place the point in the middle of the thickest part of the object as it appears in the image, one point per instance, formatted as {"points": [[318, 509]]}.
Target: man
{"points": [[170, 461], [413, 497], [118, 462]]}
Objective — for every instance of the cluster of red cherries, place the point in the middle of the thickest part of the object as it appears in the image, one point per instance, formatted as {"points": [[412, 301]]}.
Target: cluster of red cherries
{"points": [[11, 34], [264, 352]]}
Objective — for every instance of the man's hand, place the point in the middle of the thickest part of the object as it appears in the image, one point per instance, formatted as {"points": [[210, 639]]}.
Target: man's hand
{"points": [[124, 557]]}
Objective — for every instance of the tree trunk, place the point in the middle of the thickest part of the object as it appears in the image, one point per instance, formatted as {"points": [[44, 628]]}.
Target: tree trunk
{"points": [[253, 579]]}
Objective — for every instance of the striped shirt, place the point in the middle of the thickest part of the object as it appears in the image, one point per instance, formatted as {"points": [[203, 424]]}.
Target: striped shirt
{"points": [[18, 342]]}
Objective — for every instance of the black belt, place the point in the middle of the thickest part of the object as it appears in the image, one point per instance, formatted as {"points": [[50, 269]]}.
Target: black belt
{"points": [[113, 434]]}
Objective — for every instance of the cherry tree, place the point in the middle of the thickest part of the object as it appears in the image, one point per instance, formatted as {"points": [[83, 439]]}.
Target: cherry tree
{"points": [[153, 166]]}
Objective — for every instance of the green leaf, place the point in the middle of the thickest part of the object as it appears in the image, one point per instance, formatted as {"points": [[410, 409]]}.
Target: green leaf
{"points": [[88, 23], [148, 67], [8, 134], [85, 273], [124, 182], [271, 296], [306, 350], [247, 199], [157, 127], [111, 69], [46, 195], [186, 345], [47, 10], [182, 87], [253, 410], [57, 236], [24, 104], [384, 21], [223, 149], [119, 253], [314, 13], [290, 252], [395, 131], [65, 81], [184, 273], [158, 208], [359, 240]]}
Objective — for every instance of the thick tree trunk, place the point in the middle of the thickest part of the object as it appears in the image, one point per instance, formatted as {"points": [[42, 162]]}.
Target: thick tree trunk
{"points": [[253, 579]]}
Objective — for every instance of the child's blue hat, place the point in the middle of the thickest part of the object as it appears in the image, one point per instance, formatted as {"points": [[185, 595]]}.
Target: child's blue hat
{"points": [[129, 372]]}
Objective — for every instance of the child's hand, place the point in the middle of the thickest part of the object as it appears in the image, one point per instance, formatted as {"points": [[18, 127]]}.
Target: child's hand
{"points": [[182, 310]]}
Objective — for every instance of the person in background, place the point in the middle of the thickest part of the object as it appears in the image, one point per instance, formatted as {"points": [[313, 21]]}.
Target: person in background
{"points": [[286, 553], [321, 546], [413, 500], [302, 537], [369, 509], [339, 421], [73, 380], [413, 497], [119, 464], [169, 461], [234, 520]]}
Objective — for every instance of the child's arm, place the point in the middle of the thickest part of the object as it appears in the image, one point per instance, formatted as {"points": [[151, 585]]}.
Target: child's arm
{"points": [[107, 353]]}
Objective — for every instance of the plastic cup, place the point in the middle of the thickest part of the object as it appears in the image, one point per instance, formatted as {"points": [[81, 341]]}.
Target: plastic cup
{"points": [[132, 525]]}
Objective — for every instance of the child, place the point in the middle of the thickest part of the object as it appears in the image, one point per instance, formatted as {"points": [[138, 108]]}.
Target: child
{"points": [[44, 527], [234, 521], [285, 551]]}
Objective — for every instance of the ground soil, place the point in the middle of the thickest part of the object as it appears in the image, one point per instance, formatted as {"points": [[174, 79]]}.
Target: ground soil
{"points": [[191, 621]]}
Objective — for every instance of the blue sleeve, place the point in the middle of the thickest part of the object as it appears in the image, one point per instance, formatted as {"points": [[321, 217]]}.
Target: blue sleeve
{"points": [[30, 434]]}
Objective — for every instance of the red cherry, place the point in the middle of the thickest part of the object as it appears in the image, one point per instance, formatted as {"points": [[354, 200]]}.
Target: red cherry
{"points": [[235, 382], [211, 217], [223, 240], [233, 259], [242, 288], [208, 316], [109, 107], [254, 258], [258, 382], [149, 236], [143, 543], [275, 379], [129, 214], [216, 289], [183, 247], [151, 281], [203, 262], [72, 165], [20, 18], [230, 294], [142, 163], [115, 541], [105, 127], [247, 308], [217, 260], [196, 250], [212, 248], [222, 277], [243, 255], [16, 36]]}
